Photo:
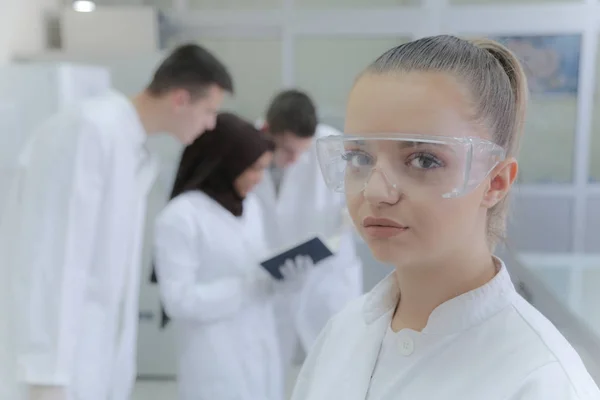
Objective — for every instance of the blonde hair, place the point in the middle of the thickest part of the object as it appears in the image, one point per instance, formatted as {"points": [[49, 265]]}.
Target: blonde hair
{"points": [[496, 82]]}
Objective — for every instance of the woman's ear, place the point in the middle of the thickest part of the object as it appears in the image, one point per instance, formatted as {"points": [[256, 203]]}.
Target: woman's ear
{"points": [[502, 179]]}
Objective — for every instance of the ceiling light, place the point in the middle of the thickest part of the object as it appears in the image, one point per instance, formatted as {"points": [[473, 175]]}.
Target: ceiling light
{"points": [[84, 5]]}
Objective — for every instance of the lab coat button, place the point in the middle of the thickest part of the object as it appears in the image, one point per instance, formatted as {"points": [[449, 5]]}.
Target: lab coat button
{"points": [[407, 346]]}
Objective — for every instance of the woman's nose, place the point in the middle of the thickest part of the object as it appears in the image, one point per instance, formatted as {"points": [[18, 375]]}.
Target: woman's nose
{"points": [[379, 189]]}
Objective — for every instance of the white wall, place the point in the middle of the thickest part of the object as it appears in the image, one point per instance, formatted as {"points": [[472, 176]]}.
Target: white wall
{"points": [[23, 27], [116, 31]]}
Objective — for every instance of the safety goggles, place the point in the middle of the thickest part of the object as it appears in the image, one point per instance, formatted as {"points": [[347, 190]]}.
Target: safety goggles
{"points": [[414, 165]]}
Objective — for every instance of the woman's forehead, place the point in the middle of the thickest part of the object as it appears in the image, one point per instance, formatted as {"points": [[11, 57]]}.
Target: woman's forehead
{"points": [[412, 103]]}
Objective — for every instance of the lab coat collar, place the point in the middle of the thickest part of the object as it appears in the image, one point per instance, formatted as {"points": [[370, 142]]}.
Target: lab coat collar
{"points": [[453, 316], [138, 135]]}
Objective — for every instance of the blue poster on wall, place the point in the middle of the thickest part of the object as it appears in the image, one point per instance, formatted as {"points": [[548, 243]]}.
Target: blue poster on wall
{"points": [[551, 62]]}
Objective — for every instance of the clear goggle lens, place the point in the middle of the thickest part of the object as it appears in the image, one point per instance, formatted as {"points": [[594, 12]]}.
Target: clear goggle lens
{"points": [[414, 165]]}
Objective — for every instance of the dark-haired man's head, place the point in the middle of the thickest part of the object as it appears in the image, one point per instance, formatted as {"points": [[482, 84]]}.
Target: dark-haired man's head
{"points": [[187, 90], [292, 121]]}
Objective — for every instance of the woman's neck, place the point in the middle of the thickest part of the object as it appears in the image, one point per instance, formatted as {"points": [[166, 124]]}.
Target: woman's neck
{"points": [[423, 289]]}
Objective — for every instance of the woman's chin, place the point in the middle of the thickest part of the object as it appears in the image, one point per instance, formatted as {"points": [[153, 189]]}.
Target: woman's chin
{"points": [[383, 251]]}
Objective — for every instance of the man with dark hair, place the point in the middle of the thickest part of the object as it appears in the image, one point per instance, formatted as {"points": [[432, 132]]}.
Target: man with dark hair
{"points": [[292, 122], [297, 206], [292, 111], [186, 91], [193, 68], [70, 244]]}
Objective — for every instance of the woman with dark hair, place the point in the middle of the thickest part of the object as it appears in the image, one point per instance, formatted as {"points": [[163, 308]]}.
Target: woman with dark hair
{"points": [[208, 246]]}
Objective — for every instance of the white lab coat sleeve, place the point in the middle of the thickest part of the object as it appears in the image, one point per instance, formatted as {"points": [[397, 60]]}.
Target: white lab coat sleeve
{"points": [[549, 382], [177, 258], [60, 256]]}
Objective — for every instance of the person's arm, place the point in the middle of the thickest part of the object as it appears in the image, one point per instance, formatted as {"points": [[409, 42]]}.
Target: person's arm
{"points": [[177, 258], [330, 287], [305, 380], [61, 197]]}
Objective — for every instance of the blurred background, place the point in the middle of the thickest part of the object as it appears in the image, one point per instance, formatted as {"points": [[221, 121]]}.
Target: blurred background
{"points": [[56, 52]]}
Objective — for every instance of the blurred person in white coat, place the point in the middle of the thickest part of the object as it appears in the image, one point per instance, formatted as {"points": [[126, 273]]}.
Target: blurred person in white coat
{"points": [[433, 129], [72, 236], [298, 205], [209, 242]]}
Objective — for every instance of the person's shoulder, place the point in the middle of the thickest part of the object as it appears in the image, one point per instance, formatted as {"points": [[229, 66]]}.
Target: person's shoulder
{"points": [[91, 122], [108, 101], [551, 381], [71, 134], [107, 114], [193, 199], [352, 316], [336, 340], [559, 362], [183, 208]]}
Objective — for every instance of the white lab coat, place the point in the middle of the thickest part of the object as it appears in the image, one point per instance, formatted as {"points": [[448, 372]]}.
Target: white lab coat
{"points": [[226, 337], [487, 344], [71, 252], [305, 207]]}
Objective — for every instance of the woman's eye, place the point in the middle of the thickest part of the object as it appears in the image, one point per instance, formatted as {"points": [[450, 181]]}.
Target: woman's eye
{"points": [[425, 161], [356, 158]]}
